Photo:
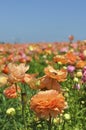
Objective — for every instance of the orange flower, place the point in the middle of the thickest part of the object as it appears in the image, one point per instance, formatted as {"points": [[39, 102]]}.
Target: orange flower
{"points": [[5, 69], [60, 58], [44, 83], [29, 77], [47, 103], [49, 83], [60, 75], [12, 92], [10, 57], [80, 64], [71, 57], [16, 72]]}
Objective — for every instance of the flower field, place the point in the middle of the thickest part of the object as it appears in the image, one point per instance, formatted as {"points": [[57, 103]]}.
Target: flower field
{"points": [[43, 86]]}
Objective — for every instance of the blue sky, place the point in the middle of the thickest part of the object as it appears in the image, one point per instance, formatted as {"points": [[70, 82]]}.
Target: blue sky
{"points": [[42, 20]]}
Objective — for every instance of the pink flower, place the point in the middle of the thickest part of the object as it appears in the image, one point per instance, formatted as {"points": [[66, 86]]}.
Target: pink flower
{"points": [[70, 68]]}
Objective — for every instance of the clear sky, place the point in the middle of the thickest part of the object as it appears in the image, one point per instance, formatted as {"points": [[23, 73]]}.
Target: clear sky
{"points": [[42, 20]]}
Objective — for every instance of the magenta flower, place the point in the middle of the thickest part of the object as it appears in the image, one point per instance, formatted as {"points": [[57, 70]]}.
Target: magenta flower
{"points": [[84, 69], [84, 77], [70, 68], [84, 74]]}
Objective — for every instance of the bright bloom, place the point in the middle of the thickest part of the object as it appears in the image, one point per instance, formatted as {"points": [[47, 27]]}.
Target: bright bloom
{"points": [[44, 83], [71, 57], [80, 64], [84, 74], [5, 69], [79, 74], [48, 103], [10, 111], [48, 83], [16, 72], [60, 58], [76, 79], [60, 75], [70, 68], [84, 69], [12, 92]]}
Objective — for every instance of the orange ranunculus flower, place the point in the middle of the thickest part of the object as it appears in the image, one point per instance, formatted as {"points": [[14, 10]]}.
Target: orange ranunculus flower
{"points": [[80, 64], [44, 83], [12, 92], [60, 75], [71, 57], [5, 69], [16, 72], [28, 77], [60, 58], [49, 83], [47, 103]]}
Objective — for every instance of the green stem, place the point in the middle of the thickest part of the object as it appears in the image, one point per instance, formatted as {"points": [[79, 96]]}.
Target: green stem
{"points": [[23, 97], [63, 126], [49, 123]]}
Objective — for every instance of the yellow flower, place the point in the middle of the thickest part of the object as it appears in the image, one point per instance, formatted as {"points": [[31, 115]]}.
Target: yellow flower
{"points": [[10, 111], [79, 74], [76, 80]]}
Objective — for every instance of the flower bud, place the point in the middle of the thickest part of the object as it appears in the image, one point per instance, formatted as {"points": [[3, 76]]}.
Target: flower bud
{"points": [[60, 63], [76, 80], [79, 74], [56, 120], [67, 116], [10, 111]]}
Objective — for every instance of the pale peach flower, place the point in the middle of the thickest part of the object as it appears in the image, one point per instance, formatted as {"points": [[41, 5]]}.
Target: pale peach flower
{"points": [[48, 83], [12, 92], [16, 72], [48, 103], [29, 77], [44, 83]]}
